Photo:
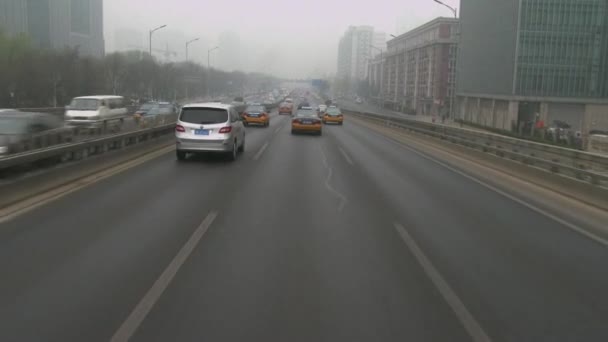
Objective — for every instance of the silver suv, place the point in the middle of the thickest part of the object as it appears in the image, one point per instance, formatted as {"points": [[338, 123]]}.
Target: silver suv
{"points": [[209, 127]]}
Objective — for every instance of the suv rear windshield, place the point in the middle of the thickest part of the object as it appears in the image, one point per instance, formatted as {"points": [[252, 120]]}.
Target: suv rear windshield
{"points": [[204, 115]]}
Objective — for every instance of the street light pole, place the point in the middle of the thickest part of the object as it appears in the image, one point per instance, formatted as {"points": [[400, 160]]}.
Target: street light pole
{"points": [[152, 31], [188, 43], [448, 6], [209, 67]]}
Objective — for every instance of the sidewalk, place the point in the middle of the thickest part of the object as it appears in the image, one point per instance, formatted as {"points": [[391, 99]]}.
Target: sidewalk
{"points": [[365, 107], [447, 122]]}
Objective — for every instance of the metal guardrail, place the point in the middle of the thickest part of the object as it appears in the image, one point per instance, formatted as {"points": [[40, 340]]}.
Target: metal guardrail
{"points": [[60, 111], [583, 166], [81, 150], [69, 134]]}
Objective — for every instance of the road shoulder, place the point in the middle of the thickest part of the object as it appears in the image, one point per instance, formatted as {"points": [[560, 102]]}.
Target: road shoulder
{"points": [[509, 180]]}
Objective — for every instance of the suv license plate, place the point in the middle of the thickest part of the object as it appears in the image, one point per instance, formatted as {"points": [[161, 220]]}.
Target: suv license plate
{"points": [[201, 132]]}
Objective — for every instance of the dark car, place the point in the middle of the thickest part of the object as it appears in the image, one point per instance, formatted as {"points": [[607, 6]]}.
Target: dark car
{"points": [[20, 131], [151, 109], [156, 108], [145, 108], [303, 104]]}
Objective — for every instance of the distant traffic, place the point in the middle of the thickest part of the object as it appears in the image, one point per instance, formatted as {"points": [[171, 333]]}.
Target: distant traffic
{"points": [[219, 127]]}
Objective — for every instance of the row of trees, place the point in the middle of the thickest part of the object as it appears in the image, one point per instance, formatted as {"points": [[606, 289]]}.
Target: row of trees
{"points": [[31, 77], [346, 85]]}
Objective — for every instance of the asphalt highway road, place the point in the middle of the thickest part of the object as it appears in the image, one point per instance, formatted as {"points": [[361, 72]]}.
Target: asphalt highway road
{"points": [[344, 237]]}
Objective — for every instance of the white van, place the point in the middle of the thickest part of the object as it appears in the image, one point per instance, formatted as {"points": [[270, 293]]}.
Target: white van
{"points": [[95, 110]]}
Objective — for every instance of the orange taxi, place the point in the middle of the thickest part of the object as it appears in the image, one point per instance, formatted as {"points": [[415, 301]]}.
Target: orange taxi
{"points": [[333, 115], [306, 120], [256, 115], [286, 108]]}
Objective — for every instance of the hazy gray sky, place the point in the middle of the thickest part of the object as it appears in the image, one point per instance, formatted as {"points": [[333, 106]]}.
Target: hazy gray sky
{"points": [[287, 38]]}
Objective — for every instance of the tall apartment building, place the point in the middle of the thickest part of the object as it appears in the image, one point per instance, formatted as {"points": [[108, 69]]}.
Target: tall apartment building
{"points": [[529, 60], [417, 71], [355, 49], [56, 24]]}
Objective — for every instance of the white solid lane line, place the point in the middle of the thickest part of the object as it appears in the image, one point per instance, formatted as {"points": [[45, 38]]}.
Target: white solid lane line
{"points": [[262, 149], [345, 155], [145, 305], [328, 186], [277, 130], [466, 318]]}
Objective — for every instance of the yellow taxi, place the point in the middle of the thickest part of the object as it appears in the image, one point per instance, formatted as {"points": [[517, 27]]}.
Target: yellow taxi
{"points": [[306, 120], [333, 115], [257, 115]]}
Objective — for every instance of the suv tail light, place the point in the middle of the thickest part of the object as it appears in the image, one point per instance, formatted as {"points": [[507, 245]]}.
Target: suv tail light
{"points": [[264, 114], [180, 128], [297, 121], [226, 129], [245, 114]]}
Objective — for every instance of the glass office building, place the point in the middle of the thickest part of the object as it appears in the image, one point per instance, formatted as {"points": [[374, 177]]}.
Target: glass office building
{"points": [[525, 60], [56, 24], [13, 18], [563, 48]]}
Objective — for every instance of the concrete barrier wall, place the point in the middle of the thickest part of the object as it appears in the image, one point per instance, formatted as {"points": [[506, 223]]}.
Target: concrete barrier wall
{"points": [[597, 117], [501, 115], [486, 112]]}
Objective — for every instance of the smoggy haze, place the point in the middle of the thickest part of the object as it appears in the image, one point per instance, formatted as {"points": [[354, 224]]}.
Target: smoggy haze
{"points": [[286, 38]]}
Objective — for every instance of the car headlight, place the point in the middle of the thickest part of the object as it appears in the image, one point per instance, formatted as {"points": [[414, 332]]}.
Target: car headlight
{"points": [[3, 149]]}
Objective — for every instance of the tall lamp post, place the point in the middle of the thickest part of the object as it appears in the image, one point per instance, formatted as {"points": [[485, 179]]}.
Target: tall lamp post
{"points": [[152, 31], [188, 43], [381, 74], [209, 67], [448, 6]]}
